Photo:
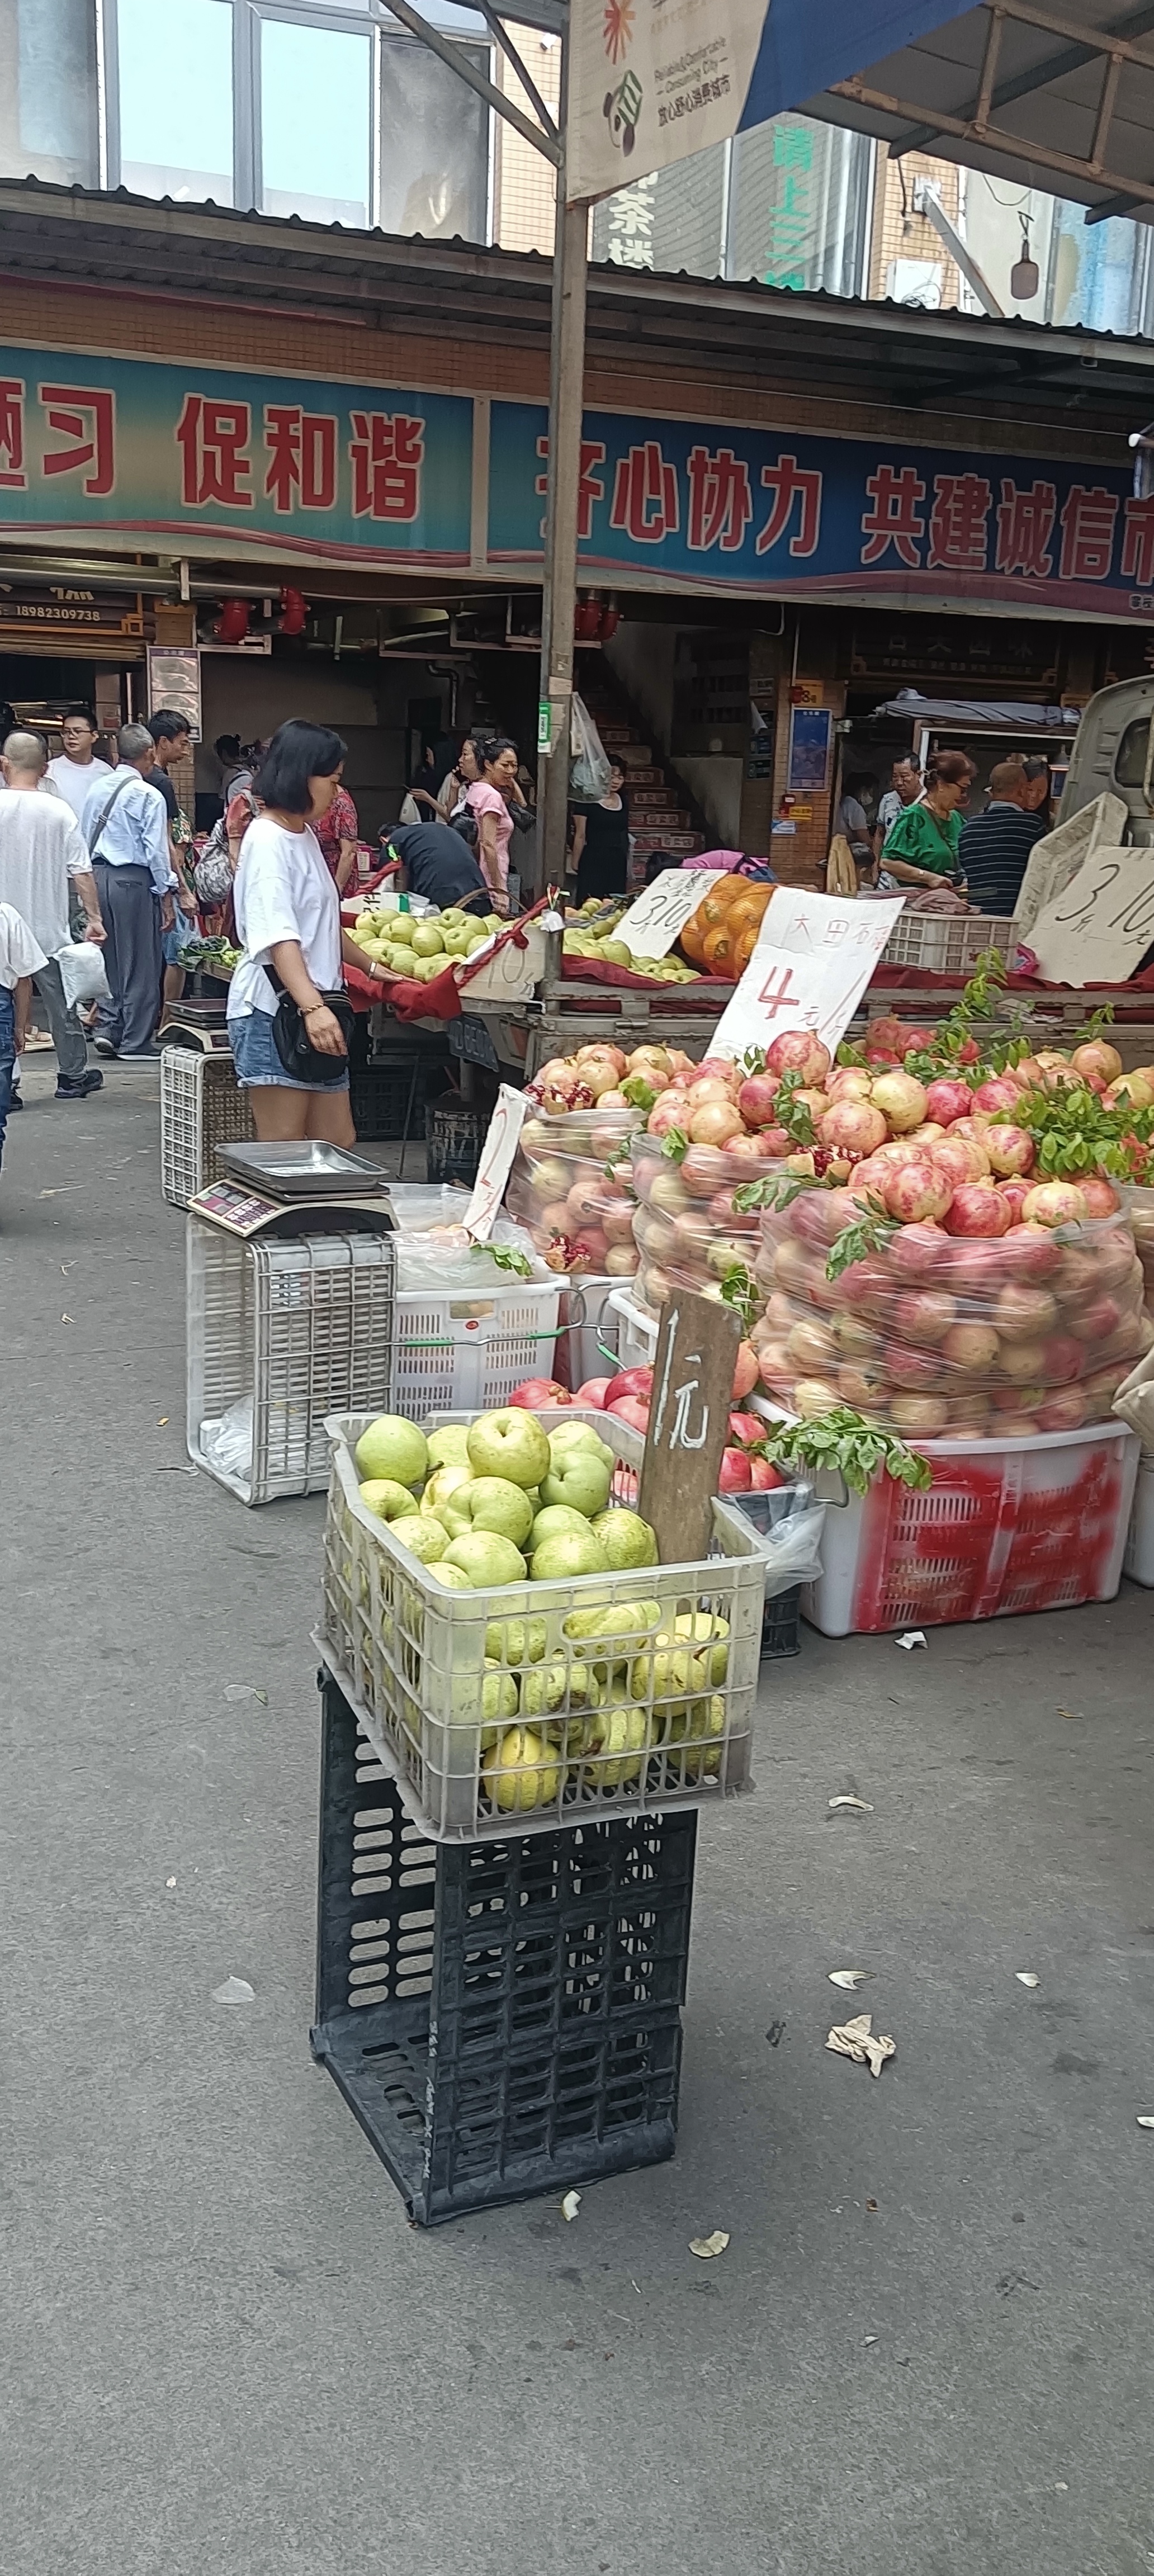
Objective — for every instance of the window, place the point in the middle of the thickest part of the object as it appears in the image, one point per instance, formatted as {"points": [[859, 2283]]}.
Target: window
{"points": [[48, 91], [434, 145], [176, 98], [315, 122]]}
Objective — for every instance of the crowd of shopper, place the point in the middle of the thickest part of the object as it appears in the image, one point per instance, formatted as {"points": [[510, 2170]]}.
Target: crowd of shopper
{"points": [[918, 839]]}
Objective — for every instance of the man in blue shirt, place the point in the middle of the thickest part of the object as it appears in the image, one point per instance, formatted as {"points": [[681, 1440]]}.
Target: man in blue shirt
{"points": [[125, 823]]}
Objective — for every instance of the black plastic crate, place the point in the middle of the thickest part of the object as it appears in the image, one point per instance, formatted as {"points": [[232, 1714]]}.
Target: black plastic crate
{"points": [[386, 1100], [504, 2019], [454, 1136], [781, 1624]]}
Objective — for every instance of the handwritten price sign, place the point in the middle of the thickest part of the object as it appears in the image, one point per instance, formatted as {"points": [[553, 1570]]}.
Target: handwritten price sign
{"points": [[813, 960], [660, 913], [496, 1162], [1100, 926]]}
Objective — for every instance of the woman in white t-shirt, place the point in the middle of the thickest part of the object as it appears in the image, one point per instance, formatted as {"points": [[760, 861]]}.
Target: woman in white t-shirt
{"points": [[288, 922]]}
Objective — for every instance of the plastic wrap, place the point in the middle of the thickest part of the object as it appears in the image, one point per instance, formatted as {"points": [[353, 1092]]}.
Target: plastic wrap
{"points": [[1140, 1206], [949, 1337], [787, 1524], [571, 1189], [687, 1230]]}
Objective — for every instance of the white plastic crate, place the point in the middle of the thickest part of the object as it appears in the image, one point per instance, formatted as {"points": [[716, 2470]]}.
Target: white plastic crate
{"points": [[946, 943], [590, 1330], [1138, 1561], [1008, 1526], [466, 1354], [278, 1333], [201, 1106], [636, 1331], [410, 1656]]}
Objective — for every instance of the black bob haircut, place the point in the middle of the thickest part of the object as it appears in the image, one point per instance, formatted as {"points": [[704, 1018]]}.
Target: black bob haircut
{"points": [[298, 751]]}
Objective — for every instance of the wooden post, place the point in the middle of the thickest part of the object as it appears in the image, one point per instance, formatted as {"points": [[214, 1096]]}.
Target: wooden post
{"points": [[688, 1422]]}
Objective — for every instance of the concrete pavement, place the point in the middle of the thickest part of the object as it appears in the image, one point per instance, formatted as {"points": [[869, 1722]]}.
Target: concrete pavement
{"points": [[224, 2349]]}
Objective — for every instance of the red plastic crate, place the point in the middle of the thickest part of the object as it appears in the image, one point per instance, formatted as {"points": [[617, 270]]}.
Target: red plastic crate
{"points": [[1005, 1527]]}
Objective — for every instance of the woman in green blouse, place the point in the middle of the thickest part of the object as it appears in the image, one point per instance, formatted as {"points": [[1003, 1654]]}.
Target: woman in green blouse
{"points": [[922, 845]]}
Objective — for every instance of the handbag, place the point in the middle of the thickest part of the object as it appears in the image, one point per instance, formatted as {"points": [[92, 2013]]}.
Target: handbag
{"points": [[291, 1039]]}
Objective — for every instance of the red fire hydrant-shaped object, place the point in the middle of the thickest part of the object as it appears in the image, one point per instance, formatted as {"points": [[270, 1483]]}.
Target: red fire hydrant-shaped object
{"points": [[293, 612], [232, 624]]}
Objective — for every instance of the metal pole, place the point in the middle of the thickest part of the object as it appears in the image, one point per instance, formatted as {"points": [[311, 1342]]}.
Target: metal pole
{"points": [[562, 508]]}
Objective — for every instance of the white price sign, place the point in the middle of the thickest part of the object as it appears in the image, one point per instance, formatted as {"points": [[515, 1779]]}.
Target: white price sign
{"points": [[496, 1162], [1100, 926], [662, 909], [814, 957]]}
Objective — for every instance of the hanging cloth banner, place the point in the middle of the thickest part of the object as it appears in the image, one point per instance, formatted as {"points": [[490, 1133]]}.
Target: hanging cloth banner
{"points": [[649, 84]]}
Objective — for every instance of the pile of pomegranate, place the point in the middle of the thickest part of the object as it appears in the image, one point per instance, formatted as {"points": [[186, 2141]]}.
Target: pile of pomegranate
{"points": [[570, 1186]]}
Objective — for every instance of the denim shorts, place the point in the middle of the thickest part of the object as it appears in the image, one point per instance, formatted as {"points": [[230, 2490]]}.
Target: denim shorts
{"points": [[257, 1062]]}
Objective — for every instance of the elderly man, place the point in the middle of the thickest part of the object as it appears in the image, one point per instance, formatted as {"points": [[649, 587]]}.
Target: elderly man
{"points": [[994, 849], [126, 827], [904, 789], [42, 856]]}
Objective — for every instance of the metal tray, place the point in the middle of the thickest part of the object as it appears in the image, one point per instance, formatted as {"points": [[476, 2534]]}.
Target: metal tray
{"points": [[304, 1170]]}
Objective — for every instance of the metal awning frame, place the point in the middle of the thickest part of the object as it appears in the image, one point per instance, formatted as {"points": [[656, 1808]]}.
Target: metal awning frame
{"points": [[1114, 47]]}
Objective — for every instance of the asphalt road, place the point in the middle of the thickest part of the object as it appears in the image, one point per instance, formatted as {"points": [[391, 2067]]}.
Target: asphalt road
{"points": [[926, 2351]]}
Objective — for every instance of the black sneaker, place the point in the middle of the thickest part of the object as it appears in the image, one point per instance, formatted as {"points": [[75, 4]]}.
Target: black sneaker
{"points": [[15, 1103], [90, 1081], [104, 1046]]}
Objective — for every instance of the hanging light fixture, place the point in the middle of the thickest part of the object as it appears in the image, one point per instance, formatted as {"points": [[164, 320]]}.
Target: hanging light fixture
{"points": [[1024, 275]]}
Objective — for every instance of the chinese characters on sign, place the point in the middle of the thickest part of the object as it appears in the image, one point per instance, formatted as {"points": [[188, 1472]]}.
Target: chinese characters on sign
{"points": [[148, 446], [745, 509], [810, 974]]}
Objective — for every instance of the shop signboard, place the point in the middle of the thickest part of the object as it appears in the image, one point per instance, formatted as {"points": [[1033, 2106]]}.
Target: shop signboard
{"points": [[73, 617], [775, 512], [167, 454], [352, 473]]}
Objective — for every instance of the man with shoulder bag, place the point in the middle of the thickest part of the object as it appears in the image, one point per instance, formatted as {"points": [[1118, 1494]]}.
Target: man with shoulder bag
{"points": [[125, 824]]}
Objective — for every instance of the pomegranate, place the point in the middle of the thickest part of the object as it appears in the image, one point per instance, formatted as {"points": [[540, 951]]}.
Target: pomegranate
{"points": [[715, 1122], [764, 1476], [630, 1409], [735, 1476], [962, 1162], [756, 1100], [798, 1051], [849, 1082], [746, 1427], [773, 1144], [1017, 1399], [1062, 1359], [948, 1098], [743, 1150], [917, 1253], [1024, 1362], [924, 1415], [617, 1219], [974, 1210], [886, 1038], [924, 1316], [902, 1101], [911, 1368], [1015, 1193], [915, 1193], [667, 1190], [774, 1364], [856, 1339], [1009, 1150], [669, 1111], [702, 1170], [973, 1347], [1133, 1091], [927, 1134], [1097, 1057], [1097, 1322], [744, 1371], [813, 1396], [534, 1391], [1065, 1410], [621, 1261], [862, 1384], [1024, 1311], [854, 1124], [594, 1392], [1002, 1092], [811, 1345], [971, 1269], [1100, 1195], [1030, 1250], [708, 1086], [971, 1131], [729, 1219], [1055, 1203]]}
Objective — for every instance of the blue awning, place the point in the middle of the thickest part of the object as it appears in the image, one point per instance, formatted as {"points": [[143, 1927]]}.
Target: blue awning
{"points": [[805, 47]]}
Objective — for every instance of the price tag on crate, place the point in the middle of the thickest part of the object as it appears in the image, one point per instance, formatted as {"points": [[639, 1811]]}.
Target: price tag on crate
{"points": [[1100, 926], [688, 1423], [814, 957], [661, 911], [496, 1162]]}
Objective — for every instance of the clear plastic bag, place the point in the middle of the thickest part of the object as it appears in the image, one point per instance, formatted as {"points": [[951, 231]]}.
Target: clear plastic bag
{"points": [[570, 1188], [589, 767], [688, 1230], [82, 972], [939, 1336], [787, 1524], [227, 1440]]}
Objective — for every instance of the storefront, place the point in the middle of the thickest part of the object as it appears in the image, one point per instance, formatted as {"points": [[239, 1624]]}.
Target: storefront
{"points": [[338, 503]]}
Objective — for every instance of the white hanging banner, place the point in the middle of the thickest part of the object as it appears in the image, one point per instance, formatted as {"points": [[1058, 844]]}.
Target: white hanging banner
{"points": [[651, 81], [813, 960]]}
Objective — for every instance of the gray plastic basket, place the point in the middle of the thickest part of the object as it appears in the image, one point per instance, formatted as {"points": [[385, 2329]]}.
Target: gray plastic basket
{"points": [[410, 1657]]}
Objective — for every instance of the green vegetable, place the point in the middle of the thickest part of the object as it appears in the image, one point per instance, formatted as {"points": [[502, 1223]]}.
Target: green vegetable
{"points": [[774, 1192], [793, 1114], [675, 1145], [843, 1440], [738, 1289], [1074, 1133], [506, 1257]]}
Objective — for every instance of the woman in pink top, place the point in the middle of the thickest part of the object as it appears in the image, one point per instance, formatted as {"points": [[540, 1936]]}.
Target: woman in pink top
{"points": [[487, 800]]}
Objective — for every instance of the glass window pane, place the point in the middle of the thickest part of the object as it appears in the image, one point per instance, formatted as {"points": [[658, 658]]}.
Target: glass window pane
{"points": [[314, 122], [434, 145], [48, 91], [799, 206], [175, 61]]}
